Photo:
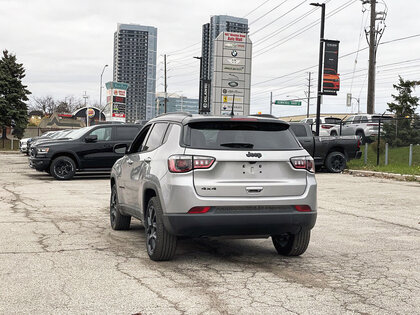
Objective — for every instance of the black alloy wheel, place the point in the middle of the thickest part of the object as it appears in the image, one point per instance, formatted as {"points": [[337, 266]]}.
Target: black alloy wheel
{"points": [[118, 221], [151, 230], [336, 162], [63, 168]]}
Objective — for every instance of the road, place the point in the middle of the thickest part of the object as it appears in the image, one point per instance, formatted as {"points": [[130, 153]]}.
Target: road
{"points": [[59, 255]]}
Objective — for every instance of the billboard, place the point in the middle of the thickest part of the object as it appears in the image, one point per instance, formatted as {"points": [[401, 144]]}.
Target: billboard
{"points": [[331, 78], [116, 98], [231, 75]]}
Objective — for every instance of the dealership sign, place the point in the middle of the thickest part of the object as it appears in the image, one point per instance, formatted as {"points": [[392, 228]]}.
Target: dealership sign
{"points": [[116, 101], [331, 78], [231, 74]]}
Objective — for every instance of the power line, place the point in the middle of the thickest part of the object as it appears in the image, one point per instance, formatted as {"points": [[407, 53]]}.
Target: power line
{"points": [[269, 11], [281, 16], [253, 10]]}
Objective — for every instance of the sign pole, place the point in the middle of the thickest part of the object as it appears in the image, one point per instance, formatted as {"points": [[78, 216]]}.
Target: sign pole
{"points": [[271, 103], [321, 54]]}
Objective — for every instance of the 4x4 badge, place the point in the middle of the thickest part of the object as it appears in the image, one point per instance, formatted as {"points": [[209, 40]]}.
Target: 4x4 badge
{"points": [[252, 154]]}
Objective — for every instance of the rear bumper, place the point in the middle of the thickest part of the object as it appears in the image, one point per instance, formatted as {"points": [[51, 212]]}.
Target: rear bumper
{"points": [[253, 223], [40, 164]]}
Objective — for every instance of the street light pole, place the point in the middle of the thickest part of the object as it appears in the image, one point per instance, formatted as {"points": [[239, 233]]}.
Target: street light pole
{"points": [[100, 94], [321, 57]]}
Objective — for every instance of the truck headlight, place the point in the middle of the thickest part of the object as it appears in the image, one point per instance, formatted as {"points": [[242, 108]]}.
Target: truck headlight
{"points": [[42, 150]]}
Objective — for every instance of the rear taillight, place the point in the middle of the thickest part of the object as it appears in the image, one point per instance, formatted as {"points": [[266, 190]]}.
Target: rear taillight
{"points": [[303, 162], [358, 143], [186, 163], [303, 208], [326, 126], [376, 125], [199, 210]]}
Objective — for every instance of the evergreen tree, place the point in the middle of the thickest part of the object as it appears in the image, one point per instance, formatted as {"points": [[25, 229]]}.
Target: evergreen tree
{"points": [[13, 94], [404, 130]]}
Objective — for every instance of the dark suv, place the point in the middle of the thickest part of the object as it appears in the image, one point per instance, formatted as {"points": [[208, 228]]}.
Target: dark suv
{"points": [[86, 149]]}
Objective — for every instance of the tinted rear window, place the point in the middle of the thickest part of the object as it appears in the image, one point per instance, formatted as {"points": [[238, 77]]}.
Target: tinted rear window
{"points": [[330, 120], [126, 133], [230, 135], [299, 130]]}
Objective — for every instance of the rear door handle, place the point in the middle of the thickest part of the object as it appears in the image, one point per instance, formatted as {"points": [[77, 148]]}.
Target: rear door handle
{"points": [[148, 160]]}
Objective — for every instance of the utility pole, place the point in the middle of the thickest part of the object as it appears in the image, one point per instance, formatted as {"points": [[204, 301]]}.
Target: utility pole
{"points": [[165, 83], [309, 94], [271, 103], [100, 94], [372, 61], [373, 35], [200, 93], [321, 57]]}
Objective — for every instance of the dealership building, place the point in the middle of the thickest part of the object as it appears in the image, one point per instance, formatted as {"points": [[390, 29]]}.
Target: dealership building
{"points": [[135, 63], [176, 103]]}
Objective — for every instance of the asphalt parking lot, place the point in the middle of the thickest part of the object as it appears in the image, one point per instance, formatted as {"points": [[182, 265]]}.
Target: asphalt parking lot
{"points": [[59, 255]]}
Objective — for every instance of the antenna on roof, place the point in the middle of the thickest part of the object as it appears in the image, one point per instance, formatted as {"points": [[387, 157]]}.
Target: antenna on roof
{"points": [[233, 104]]}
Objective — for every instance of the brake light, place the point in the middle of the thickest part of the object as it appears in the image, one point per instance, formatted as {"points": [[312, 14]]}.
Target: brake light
{"points": [[244, 119], [303, 208], [326, 126], [358, 143], [373, 124], [199, 210], [186, 163], [303, 162]]}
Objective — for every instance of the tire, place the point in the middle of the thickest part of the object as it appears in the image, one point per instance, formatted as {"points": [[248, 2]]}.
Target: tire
{"points": [[335, 162], [63, 168], [292, 244], [160, 244], [117, 220], [334, 133], [362, 137]]}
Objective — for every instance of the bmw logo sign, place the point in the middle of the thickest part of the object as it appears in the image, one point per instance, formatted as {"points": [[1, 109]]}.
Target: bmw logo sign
{"points": [[234, 53]]}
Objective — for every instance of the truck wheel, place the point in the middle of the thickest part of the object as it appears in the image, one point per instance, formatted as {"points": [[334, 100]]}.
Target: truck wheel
{"points": [[292, 244], [159, 243], [63, 168], [335, 162], [118, 221]]}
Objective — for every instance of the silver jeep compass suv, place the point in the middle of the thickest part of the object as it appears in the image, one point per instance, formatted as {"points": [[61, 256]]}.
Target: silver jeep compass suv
{"points": [[206, 176]]}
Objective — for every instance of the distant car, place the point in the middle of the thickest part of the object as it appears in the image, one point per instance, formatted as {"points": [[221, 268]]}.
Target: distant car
{"points": [[199, 176], [326, 123], [23, 145], [363, 125], [86, 149]]}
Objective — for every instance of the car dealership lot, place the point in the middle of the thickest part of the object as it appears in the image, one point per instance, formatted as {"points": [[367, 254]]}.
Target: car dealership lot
{"points": [[59, 255]]}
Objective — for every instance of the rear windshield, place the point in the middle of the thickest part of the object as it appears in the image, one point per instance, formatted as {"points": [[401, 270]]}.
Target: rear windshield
{"points": [[331, 120], [232, 135]]}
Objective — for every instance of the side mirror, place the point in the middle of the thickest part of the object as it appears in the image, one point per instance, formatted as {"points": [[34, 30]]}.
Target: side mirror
{"points": [[120, 148], [91, 138]]}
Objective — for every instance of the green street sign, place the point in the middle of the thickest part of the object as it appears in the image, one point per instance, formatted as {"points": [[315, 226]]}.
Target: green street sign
{"points": [[290, 103]]}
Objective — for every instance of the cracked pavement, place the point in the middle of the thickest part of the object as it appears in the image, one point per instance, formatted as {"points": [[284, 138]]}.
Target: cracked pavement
{"points": [[59, 255]]}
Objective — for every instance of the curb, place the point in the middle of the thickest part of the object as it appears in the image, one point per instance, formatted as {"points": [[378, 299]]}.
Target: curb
{"points": [[400, 177]]}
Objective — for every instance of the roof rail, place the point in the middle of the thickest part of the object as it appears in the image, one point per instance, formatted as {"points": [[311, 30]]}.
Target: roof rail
{"points": [[175, 113]]}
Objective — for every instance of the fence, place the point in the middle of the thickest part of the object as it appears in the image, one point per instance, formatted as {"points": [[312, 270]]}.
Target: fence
{"points": [[12, 143], [390, 143]]}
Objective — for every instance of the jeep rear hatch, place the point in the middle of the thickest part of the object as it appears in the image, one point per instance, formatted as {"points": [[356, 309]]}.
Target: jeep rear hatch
{"points": [[251, 158]]}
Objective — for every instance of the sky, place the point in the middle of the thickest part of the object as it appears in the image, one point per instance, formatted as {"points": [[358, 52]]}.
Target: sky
{"points": [[65, 44]]}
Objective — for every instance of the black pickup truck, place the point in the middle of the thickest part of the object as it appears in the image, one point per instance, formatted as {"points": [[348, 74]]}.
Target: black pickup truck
{"points": [[87, 149], [329, 152]]}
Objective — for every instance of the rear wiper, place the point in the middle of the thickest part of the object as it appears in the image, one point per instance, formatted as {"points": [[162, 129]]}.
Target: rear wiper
{"points": [[237, 145]]}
